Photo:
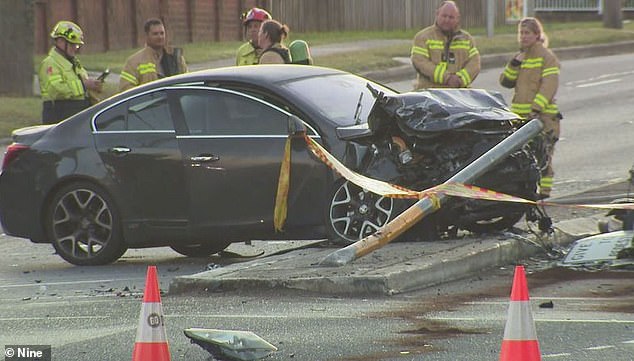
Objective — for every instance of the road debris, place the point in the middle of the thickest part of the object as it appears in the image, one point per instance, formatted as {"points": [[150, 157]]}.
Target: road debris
{"points": [[602, 250], [230, 345]]}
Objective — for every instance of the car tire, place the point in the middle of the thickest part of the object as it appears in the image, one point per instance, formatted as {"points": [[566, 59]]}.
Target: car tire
{"points": [[201, 250], [83, 224], [353, 213], [497, 224]]}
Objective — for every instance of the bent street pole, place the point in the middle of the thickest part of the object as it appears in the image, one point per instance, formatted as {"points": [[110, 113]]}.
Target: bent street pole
{"points": [[426, 206]]}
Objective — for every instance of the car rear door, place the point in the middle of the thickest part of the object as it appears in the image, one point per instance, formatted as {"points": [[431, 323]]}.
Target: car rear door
{"points": [[136, 140], [232, 154]]}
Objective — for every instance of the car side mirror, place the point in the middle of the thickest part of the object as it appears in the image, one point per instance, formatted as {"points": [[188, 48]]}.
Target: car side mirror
{"points": [[295, 125]]}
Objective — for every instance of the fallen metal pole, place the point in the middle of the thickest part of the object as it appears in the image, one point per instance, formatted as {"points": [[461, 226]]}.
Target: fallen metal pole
{"points": [[426, 206]]}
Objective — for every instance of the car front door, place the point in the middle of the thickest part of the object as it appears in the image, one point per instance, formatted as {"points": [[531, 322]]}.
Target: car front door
{"points": [[232, 155], [136, 140]]}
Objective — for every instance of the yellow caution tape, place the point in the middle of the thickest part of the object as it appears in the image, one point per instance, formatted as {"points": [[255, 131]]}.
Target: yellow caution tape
{"points": [[474, 192], [451, 189], [376, 186], [281, 198]]}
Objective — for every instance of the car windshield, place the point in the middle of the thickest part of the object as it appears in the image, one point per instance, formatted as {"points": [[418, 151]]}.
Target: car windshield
{"points": [[341, 98]]}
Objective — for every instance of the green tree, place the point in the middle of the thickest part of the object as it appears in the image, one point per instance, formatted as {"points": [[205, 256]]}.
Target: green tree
{"points": [[16, 47]]}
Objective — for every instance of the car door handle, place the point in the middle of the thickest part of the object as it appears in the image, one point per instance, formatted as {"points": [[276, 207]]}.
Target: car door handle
{"points": [[204, 158], [119, 150]]}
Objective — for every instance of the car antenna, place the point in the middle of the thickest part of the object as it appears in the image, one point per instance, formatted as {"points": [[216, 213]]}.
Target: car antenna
{"points": [[357, 112]]}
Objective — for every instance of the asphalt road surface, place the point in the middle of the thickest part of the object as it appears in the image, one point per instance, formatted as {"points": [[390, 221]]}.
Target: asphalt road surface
{"points": [[92, 312]]}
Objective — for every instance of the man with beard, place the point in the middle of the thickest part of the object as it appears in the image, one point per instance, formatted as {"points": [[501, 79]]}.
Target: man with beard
{"points": [[154, 61]]}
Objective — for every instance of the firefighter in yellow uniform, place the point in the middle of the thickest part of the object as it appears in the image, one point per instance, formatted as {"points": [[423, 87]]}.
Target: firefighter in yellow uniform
{"points": [[249, 52], [63, 81], [444, 55], [534, 74], [154, 61]]}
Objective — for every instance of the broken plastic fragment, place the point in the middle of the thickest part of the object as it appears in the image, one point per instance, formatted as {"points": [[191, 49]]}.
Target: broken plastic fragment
{"points": [[230, 344]]}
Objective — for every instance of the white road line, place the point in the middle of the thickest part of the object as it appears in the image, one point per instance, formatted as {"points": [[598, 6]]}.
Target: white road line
{"points": [[506, 302], [565, 354], [602, 76], [180, 316], [563, 320], [598, 83], [69, 282], [628, 342], [54, 318], [599, 348]]}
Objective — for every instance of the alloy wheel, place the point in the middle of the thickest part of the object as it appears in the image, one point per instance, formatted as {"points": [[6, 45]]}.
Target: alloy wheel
{"points": [[83, 227], [355, 213]]}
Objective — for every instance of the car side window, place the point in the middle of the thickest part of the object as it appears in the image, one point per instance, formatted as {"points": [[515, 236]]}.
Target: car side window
{"points": [[210, 112], [149, 112]]}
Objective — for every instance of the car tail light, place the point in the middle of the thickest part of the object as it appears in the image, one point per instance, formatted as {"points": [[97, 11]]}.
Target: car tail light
{"points": [[13, 151]]}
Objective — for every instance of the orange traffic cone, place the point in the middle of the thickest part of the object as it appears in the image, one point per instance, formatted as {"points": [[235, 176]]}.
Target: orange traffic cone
{"points": [[520, 338], [151, 339]]}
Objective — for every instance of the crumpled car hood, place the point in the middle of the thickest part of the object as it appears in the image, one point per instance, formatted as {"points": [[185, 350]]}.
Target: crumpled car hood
{"points": [[438, 110]]}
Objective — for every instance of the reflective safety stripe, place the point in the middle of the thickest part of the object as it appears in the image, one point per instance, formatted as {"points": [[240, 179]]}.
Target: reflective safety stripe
{"points": [[546, 182], [510, 73], [439, 72], [129, 77], [151, 323], [473, 52], [146, 68], [540, 100], [420, 51], [464, 76], [460, 44], [435, 44], [551, 109], [532, 63], [550, 71], [521, 109]]}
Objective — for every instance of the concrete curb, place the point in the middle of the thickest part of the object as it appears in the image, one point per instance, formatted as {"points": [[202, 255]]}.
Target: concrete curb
{"points": [[389, 275]]}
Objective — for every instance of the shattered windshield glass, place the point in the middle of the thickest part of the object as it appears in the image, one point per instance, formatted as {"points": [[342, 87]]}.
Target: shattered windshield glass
{"points": [[338, 97]]}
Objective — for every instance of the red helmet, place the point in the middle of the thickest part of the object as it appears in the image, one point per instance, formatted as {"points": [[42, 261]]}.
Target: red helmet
{"points": [[255, 14]]}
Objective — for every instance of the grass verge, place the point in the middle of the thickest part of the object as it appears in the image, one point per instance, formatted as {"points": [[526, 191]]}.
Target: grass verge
{"points": [[19, 112]]}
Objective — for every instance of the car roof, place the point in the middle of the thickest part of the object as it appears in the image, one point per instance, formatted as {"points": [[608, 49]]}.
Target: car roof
{"points": [[259, 74]]}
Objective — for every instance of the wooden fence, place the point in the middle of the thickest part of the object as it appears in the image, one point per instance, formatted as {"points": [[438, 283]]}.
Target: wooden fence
{"points": [[118, 24], [345, 15]]}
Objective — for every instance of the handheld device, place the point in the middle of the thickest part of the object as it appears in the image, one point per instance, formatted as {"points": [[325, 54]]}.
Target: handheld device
{"points": [[102, 77]]}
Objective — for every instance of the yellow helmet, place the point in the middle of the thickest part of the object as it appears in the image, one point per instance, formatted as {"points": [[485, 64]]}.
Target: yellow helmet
{"points": [[69, 31]]}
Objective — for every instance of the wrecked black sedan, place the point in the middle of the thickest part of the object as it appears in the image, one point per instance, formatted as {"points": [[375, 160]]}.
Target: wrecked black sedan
{"points": [[193, 162]]}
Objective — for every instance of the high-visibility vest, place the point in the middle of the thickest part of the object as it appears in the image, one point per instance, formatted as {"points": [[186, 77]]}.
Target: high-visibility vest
{"points": [[247, 54], [60, 79]]}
